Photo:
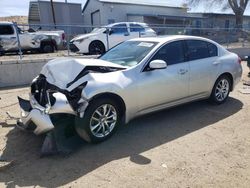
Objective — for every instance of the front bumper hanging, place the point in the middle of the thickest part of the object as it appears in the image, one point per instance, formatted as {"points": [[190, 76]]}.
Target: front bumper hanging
{"points": [[34, 119]]}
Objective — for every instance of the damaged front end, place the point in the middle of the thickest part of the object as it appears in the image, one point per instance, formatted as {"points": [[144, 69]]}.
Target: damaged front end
{"points": [[46, 100]]}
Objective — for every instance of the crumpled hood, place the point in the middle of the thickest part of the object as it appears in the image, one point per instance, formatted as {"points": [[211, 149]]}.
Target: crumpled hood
{"points": [[83, 36], [64, 72]]}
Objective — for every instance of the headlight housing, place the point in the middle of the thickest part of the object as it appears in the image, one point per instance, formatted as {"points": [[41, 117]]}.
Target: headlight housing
{"points": [[79, 40]]}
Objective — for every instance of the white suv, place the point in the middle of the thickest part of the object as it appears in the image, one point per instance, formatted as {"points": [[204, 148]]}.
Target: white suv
{"points": [[96, 41]]}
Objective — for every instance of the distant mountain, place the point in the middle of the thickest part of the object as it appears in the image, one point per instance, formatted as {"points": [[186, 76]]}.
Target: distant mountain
{"points": [[18, 19]]}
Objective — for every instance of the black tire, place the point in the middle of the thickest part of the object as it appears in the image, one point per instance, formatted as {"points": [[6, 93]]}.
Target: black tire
{"points": [[48, 48], [220, 94], [83, 125], [96, 47]]}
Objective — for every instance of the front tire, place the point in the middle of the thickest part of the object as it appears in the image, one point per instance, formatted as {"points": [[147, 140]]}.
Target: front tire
{"points": [[96, 48], [221, 90], [100, 121]]}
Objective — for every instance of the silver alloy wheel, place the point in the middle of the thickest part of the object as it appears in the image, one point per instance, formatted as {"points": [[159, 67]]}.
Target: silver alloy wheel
{"points": [[103, 120], [222, 90]]}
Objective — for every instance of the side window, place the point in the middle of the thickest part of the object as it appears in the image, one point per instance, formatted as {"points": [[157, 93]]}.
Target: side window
{"points": [[212, 50], [119, 29], [136, 28], [172, 53], [197, 49], [6, 30]]}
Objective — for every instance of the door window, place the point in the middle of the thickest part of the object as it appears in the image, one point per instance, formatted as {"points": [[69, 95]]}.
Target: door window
{"points": [[6, 30], [212, 50], [136, 28], [197, 49], [119, 29], [171, 53], [201, 49]]}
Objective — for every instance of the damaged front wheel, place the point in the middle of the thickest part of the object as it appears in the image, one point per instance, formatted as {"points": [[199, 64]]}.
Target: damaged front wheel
{"points": [[100, 121]]}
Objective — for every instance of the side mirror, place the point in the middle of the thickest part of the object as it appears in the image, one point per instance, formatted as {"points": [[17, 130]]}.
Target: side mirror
{"points": [[111, 32], [157, 64]]}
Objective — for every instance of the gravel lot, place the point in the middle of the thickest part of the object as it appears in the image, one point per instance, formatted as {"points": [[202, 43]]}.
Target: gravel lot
{"points": [[193, 145]]}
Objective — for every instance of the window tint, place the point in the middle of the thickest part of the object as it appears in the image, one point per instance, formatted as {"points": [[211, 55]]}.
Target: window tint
{"points": [[171, 53], [136, 28], [197, 49], [6, 30], [119, 29], [212, 50]]}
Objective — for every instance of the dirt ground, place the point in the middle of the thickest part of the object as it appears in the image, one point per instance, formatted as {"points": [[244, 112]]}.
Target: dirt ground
{"points": [[193, 145]]}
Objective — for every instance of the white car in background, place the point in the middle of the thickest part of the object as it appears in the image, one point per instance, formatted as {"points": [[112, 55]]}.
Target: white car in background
{"points": [[96, 41]]}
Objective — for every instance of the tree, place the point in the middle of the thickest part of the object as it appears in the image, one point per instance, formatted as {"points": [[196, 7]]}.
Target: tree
{"points": [[238, 7]]}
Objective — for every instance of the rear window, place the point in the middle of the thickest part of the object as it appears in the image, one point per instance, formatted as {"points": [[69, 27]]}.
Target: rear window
{"points": [[6, 30]]}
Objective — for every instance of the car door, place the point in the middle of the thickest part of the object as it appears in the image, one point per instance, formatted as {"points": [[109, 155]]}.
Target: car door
{"points": [[118, 34], [202, 57], [162, 86], [30, 40], [8, 38]]}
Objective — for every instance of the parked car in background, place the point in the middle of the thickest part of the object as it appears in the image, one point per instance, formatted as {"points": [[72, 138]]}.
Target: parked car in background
{"points": [[136, 77], [41, 41], [96, 41]]}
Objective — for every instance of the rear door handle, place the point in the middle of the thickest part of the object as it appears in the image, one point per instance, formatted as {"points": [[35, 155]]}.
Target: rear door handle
{"points": [[12, 37], [183, 71]]}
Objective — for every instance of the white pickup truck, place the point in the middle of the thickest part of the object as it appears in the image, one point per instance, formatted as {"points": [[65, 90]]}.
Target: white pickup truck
{"points": [[46, 42]]}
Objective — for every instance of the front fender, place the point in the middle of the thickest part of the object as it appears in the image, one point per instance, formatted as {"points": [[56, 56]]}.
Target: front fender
{"points": [[93, 89]]}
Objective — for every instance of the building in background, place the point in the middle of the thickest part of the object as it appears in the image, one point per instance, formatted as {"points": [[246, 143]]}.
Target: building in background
{"points": [[219, 20], [103, 12], [40, 12]]}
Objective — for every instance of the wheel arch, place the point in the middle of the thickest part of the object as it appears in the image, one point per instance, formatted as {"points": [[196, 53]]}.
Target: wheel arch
{"points": [[48, 41]]}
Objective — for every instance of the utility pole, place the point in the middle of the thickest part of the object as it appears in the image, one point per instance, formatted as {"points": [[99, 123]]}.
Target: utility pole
{"points": [[53, 12]]}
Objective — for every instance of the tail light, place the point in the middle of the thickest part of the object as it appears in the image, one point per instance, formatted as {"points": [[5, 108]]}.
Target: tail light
{"points": [[63, 36], [239, 60]]}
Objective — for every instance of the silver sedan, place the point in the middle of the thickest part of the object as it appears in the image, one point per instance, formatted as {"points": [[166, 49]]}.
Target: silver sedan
{"points": [[137, 77]]}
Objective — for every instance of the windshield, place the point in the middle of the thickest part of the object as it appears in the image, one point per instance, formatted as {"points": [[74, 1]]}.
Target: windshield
{"points": [[129, 53]]}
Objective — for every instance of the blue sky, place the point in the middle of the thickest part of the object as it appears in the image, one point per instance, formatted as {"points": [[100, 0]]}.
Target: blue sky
{"points": [[20, 7]]}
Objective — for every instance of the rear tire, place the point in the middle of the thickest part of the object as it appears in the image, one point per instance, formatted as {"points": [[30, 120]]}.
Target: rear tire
{"points": [[48, 48], [96, 48], [101, 119], [221, 90]]}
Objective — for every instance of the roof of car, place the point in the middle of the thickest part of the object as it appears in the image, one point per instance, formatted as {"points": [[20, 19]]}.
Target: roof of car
{"points": [[166, 38], [139, 23]]}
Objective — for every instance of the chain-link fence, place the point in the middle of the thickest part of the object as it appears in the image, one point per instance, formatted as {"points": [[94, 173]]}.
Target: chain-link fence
{"points": [[80, 40]]}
